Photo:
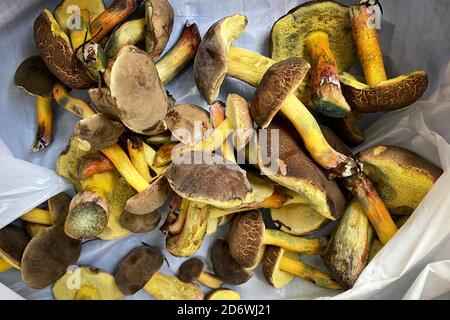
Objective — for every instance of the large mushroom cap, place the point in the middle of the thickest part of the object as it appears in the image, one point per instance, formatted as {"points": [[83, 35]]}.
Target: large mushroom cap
{"points": [[13, 241], [225, 267], [191, 270], [271, 266], [137, 268], [188, 123], [211, 62], [33, 76], [389, 95], [207, 178], [151, 199], [278, 82], [56, 50], [138, 92], [289, 33], [47, 257], [246, 238]]}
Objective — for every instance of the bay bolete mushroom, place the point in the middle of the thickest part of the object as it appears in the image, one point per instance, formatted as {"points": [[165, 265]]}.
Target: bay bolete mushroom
{"points": [[280, 267], [298, 220], [13, 241], [90, 284], [139, 270], [47, 257], [33, 77], [225, 267], [378, 93], [159, 24], [401, 177], [223, 294], [192, 270], [248, 235], [320, 32]]}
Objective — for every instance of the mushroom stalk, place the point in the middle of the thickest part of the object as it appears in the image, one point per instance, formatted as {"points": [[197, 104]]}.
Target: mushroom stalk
{"points": [[209, 280], [163, 156], [218, 116], [178, 225], [308, 273], [4, 265], [326, 89], [37, 216], [131, 32], [292, 243], [368, 45], [137, 157], [164, 287], [44, 134], [76, 106], [150, 154]]}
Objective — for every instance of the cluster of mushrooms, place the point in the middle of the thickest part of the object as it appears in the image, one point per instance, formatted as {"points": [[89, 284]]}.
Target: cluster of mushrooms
{"points": [[121, 158]]}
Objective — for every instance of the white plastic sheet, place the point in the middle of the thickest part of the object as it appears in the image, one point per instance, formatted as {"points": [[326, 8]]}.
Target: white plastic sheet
{"points": [[414, 36]]}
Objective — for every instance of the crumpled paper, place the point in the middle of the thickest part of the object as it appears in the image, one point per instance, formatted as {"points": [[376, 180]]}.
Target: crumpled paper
{"points": [[414, 35]]}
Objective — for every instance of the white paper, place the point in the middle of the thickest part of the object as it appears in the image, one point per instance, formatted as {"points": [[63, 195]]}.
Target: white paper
{"points": [[414, 36]]}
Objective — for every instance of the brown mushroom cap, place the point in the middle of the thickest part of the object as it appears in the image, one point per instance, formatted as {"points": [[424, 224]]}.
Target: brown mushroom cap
{"points": [[13, 241], [47, 257], [151, 199], [33, 77], [159, 24], [188, 123], [271, 266], [97, 132], [191, 270], [289, 33], [389, 95], [278, 82], [211, 62], [140, 223], [103, 102], [56, 50], [58, 206], [214, 179], [225, 267], [138, 92], [246, 238], [137, 268]]}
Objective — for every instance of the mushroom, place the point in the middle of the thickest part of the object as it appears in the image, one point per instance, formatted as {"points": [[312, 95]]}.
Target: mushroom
{"points": [[248, 235], [33, 77], [56, 50], [75, 106], [90, 284], [188, 123], [223, 294], [47, 257], [65, 11], [58, 208], [280, 267], [150, 155], [216, 59], [348, 251], [13, 241], [129, 33], [320, 32], [159, 24], [401, 177], [163, 155], [139, 270], [192, 270], [136, 153], [140, 223], [378, 93], [298, 220], [225, 267]]}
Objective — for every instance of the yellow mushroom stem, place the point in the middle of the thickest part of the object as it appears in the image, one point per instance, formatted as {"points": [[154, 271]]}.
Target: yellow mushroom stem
{"points": [[368, 45], [4, 265], [325, 85], [164, 287], [178, 225], [150, 154], [137, 157], [76, 106], [39, 216], [292, 243], [44, 133], [79, 36], [250, 67], [209, 280], [131, 32], [308, 273]]}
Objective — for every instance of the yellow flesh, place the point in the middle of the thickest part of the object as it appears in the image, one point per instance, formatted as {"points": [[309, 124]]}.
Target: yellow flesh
{"points": [[4, 265], [209, 280], [95, 8], [163, 287], [292, 243], [298, 219], [39, 216], [280, 278], [79, 36], [137, 157], [225, 294]]}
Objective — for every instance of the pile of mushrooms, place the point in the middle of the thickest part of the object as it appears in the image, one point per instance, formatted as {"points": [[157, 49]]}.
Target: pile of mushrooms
{"points": [[136, 151]]}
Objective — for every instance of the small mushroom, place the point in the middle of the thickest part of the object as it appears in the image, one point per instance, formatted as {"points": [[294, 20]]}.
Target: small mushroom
{"points": [[192, 270], [248, 235], [91, 284], [225, 267], [379, 94], [139, 270], [159, 24], [223, 294], [13, 241], [140, 223], [33, 77], [280, 266], [47, 257], [321, 33], [298, 220]]}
